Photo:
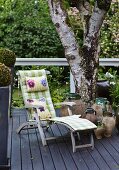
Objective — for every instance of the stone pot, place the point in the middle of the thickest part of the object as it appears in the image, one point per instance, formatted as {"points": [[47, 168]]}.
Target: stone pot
{"points": [[91, 114], [77, 109], [99, 132], [109, 124], [116, 112]]}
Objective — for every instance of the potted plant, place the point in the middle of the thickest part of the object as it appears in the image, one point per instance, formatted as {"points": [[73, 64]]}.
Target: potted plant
{"points": [[8, 58], [114, 92], [5, 81]]}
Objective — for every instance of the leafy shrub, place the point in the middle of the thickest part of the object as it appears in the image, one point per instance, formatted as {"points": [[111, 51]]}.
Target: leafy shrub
{"points": [[5, 75], [7, 57], [58, 81], [27, 29]]}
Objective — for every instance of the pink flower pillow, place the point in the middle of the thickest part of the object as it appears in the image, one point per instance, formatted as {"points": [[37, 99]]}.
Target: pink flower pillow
{"points": [[36, 84]]}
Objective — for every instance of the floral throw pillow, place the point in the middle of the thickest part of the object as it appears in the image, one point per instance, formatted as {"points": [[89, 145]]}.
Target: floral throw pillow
{"points": [[42, 109], [36, 84]]}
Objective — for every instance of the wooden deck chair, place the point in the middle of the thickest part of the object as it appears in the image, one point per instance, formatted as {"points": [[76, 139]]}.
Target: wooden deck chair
{"points": [[38, 102]]}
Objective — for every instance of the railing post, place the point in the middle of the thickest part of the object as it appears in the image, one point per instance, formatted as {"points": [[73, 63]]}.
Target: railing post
{"points": [[72, 85]]}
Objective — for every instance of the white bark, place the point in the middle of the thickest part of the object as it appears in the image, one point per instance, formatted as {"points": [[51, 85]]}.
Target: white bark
{"points": [[67, 38], [83, 64]]}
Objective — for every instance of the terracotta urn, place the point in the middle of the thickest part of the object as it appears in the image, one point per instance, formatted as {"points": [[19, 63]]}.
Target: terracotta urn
{"points": [[91, 114], [109, 124], [99, 132]]}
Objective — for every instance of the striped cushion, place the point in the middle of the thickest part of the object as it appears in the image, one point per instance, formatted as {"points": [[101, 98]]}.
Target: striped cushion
{"points": [[35, 95], [75, 123]]}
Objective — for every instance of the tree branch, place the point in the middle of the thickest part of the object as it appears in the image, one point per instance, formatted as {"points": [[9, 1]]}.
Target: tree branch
{"points": [[85, 12], [94, 24], [60, 19]]}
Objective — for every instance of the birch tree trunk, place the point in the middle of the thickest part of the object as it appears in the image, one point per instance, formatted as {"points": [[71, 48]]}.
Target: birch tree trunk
{"points": [[83, 61]]}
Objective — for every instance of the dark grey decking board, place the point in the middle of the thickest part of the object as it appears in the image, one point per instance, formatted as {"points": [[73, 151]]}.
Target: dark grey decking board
{"points": [[80, 163], [109, 147], [99, 159], [35, 150], [25, 147], [106, 156], [15, 146], [27, 152]]}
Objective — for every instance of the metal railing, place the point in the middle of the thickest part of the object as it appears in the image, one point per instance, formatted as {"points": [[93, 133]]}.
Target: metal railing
{"points": [[62, 62]]}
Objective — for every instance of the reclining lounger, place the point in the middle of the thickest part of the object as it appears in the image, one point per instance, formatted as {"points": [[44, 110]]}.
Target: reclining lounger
{"points": [[38, 102]]}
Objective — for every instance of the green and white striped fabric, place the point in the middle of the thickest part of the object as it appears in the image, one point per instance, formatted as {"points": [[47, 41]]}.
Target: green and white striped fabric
{"points": [[75, 123], [35, 95]]}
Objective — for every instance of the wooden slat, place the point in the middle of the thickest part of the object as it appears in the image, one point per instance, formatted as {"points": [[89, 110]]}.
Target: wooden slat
{"points": [[35, 150], [27, 152], [112, 151], [26, 157], [106, 156], [55, 152], [79, 161], [46, 156], [15, 149], [89, 160], [98, 159], [9, 139], [84, 157], [115, 142], [69, 162]]}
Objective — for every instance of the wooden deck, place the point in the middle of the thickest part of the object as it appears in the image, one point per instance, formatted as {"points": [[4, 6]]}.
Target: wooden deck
{"points": [[27, 152]]}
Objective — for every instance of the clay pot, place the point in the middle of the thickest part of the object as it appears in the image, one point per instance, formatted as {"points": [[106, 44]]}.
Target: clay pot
{"points": [[91, 115], [77, 109], [109, 124], [116, 111], [99, 132], [98, 109]]}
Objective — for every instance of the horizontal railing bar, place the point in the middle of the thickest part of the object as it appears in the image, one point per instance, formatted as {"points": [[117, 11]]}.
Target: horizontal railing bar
{"points": [[61, 61], [42, 61], [109, 62]]}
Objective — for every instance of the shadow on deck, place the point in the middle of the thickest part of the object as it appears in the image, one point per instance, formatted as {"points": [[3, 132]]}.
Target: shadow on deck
{"points": [[27, 152]]}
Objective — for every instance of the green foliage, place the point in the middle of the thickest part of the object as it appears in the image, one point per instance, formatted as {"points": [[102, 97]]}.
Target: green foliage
{"points": [[76, 24], [110, 33], [7, 57], [112, 76], [27, 29], [103, 4], [5, 75], [58, 81], [114, 89], [17, 98], [65, 4], [101, 75]]}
